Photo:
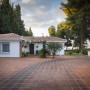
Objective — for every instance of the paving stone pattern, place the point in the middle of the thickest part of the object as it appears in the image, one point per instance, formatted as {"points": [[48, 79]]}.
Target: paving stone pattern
{"points": [[61, 73]]}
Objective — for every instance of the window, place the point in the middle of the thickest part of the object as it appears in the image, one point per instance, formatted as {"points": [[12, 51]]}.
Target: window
{"points": [[4, 47]]}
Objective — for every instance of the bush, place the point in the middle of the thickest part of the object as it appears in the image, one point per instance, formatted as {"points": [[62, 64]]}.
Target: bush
{"points": [[77, 51], [47, 52], [42, 53], [74, 52], [85, 52], [24, 54], [70, 52], [28, 53]]}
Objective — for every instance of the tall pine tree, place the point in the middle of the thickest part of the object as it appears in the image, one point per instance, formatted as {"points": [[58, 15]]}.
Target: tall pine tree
{"points": [[5, 17], [78, 15], [29, 32], [10, 19], [18, 22]]}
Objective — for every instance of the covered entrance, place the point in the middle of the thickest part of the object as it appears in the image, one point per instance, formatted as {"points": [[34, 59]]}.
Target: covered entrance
{"points": [[31, 48]]}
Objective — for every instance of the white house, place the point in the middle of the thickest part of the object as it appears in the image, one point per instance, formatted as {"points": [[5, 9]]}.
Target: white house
{"points": [[12, 45]]}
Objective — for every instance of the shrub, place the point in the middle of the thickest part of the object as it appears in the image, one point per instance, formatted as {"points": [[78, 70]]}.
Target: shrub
{"points": [[74, 52], [47, 52], [70, 52], [85, 52], [77, 51], [24, 54], [27, 53], [42, 53]]}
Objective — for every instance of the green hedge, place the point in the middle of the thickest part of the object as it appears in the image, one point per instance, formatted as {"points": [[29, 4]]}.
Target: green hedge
{"points": [[77, 51], [74, 51], [85, 52]]}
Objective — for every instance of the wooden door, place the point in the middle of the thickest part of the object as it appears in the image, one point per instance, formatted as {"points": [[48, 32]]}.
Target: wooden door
{"points": [[31, 48]]}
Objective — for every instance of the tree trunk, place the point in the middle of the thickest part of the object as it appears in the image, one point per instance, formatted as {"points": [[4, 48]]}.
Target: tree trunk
{"points": [[53, 55], [81, 42]]}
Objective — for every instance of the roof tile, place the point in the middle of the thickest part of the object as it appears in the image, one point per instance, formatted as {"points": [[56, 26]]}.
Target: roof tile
{"points": [[44, 39], [15, 36], [9, 35]]}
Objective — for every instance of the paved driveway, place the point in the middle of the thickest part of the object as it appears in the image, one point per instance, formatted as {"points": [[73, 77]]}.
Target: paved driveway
{"points": [[61, 73]]}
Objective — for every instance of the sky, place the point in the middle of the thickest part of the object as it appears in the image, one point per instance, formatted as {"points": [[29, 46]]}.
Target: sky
{"points": [[40, 14]]}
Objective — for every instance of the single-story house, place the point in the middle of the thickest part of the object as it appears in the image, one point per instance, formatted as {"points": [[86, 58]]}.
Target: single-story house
{"points": [[12, 45]]}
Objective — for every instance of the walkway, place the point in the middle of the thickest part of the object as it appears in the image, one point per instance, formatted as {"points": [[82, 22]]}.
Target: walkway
{"points": [[61, 73]]}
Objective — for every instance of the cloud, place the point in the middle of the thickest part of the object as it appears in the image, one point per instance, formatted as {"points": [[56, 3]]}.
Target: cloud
{"points": [[41, 10], [13, 1], [41, 14], [64, 1], [28, 1], [34, 21]]}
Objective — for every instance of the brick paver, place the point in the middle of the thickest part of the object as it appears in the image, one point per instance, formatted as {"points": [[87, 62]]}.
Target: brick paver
{"points": [[61, 73]]}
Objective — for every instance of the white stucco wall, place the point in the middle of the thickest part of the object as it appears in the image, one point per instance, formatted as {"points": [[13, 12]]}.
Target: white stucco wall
{"points": [[14, 50], [62, 50], [88, 53], [40, 46], [26, 49]]}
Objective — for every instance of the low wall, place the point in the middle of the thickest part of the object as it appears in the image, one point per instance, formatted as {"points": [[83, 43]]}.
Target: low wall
{"points": [[88, 53]]}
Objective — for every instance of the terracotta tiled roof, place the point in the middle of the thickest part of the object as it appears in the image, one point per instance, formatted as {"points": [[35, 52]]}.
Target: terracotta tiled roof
{"points": [[44, 39], [9, 35], [28, 38]]}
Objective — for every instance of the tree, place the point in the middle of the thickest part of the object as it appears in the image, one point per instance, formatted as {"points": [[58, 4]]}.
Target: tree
{"points": [[43, 51], [10, 18], [54, 47], [18, 22], [29, 32], [0, 22], [5, 11], [63, 28], [51, 31], [79, 17], [64, 31]]}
